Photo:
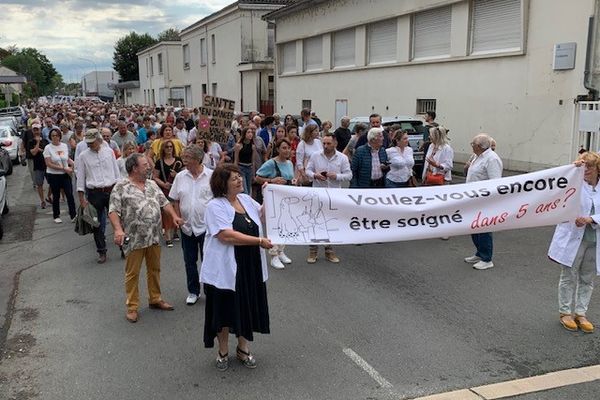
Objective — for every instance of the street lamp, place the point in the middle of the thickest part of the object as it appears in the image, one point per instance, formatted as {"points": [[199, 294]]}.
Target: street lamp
{"points": [[95, 69]]}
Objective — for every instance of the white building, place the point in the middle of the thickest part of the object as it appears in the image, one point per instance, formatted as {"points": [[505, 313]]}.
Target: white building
{"points": [[96, 83], [128, 93], [10, 82], [161, 74], [230, 54], [511, 68]]}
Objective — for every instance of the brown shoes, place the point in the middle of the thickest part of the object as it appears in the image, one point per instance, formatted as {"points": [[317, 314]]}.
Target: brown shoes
{"points": [[101, 259], [568, 322], [132, 316], [162, 305], [331, 257], [583, 324]]}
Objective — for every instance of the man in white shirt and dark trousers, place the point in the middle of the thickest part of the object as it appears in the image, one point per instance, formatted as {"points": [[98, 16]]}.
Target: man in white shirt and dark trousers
{"points": [[191, 193], [486, 165], [327, 168], [97, 172]]}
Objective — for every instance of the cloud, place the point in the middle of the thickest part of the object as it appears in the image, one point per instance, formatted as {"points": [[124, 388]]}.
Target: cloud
{"points": [[67, 30]]}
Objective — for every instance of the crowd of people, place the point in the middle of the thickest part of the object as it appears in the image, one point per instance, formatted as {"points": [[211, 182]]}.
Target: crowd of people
{"points": [[154, 175]]}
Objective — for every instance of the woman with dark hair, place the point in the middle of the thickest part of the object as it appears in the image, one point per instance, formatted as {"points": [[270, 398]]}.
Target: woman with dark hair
{"points": [[289, 121], [244, 152], [165, 169], [272, 147], [165, 133], [234, 268], [291, 134], [401, 161], [59, 168]]}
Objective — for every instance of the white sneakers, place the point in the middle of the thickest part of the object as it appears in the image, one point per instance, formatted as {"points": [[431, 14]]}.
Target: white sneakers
{"points": [[57, 221], [284, 259], [472, 259], [276, 263], [191, 299], [483, 265], [280, 259]]}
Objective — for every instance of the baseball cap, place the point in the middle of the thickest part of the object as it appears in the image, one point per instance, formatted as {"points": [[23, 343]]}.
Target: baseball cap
{"points": [[91, 135]]}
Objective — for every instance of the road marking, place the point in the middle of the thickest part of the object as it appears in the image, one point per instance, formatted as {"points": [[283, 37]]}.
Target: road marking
{"points": [[358, 360], [522, 386]]}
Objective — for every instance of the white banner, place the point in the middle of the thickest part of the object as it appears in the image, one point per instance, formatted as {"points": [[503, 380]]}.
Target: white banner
{"points": [[306, 215]]}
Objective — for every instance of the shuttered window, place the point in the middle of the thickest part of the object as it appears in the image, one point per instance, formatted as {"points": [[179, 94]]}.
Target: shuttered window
{"points": [[313, 53], [344, 48], [496, 26], [382, 41], [431, 33], [288, 52]]}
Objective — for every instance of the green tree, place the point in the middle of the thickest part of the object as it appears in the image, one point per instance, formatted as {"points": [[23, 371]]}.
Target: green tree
{"points": [[125, 60], [29, 67], [171, 34], [48, 83]]}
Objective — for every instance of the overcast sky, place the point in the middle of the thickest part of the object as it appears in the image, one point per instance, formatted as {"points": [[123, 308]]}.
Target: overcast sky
{"points": [[68, 30]]}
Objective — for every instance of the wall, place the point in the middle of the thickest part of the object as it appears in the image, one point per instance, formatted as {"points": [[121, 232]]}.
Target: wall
{"points": [[515, 98]]}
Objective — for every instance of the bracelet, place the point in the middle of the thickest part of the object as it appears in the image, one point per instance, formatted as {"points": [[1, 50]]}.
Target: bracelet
{"points": [[260, 242]]}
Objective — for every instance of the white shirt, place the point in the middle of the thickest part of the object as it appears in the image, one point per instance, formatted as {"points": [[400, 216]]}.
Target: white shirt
{"points": [[212, 157], [182, 134], [193, 196], [376, 172], [338, 163], [218, 265], [305, 150], [401, 164], [58, 155], [443, 156], [486, 166], [97, 169]]}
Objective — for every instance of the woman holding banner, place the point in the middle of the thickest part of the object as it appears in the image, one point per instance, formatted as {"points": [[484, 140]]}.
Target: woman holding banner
{"points": [[575, 246]]}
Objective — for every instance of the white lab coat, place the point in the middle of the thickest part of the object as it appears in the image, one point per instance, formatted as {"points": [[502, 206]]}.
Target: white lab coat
{"points": [[568, 236]]}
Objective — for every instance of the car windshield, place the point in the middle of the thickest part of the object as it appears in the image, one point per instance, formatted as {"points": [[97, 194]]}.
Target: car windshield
{"points": [[4, 132]]}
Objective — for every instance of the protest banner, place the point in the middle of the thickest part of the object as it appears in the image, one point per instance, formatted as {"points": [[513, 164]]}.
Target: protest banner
{"points": [[305, 215], [216, 115]]}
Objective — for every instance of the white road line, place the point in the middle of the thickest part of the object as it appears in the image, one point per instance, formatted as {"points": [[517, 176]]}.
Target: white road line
{"points": [[358, 360]]}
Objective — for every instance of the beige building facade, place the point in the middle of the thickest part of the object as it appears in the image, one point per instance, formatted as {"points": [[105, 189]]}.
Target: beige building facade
{"points": [[511, 68]]}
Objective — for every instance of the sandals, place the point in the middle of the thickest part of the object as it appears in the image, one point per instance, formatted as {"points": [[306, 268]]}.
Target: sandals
{"points": [[222, 362], [246, 358]]}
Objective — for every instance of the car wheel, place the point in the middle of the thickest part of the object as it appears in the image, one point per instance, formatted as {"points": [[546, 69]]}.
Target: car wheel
{"points": [[5, 209], [1, 229], [17, 160], [9, 171]]}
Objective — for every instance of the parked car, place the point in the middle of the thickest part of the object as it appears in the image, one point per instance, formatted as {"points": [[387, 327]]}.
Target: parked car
{"points": [[3, 201], [412, 125], [10, 141], [5, 161]]}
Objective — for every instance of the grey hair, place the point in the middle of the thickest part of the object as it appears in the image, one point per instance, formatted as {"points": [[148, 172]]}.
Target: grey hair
{"points": [[482, 140], [373, 133], [195, 151], [132, 161]]}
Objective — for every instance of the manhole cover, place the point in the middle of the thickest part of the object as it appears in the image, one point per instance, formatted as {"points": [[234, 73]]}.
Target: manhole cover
{"points": [[18, 224]]}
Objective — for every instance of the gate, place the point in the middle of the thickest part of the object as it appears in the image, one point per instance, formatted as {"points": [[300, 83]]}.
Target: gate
{"points": [[586, 127]]}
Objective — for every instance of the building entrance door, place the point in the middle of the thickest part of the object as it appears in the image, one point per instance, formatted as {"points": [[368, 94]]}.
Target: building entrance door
{"points": [[341, 110]]}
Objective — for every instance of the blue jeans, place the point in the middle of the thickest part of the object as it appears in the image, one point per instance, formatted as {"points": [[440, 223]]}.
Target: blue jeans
{"points": [[248, 175], [392, 184], [191, 245], [484, 245]]}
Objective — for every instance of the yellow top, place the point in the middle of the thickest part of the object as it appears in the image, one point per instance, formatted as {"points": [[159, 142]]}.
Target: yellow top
{"points": [[157, 145]]}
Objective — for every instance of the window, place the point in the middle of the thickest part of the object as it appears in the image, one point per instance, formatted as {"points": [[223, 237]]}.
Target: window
{"points": [[128, 94], [313, 53], [214, 89], [424, 105], [343, 48], [431, 33], [270, 40], [382, 41], [160, 65], [147, 69], [496, 26], [203, 53], [151, 67], [213, 49], [186, 56], [204, 92], [288, 53], [307, 104], [188, 96]]}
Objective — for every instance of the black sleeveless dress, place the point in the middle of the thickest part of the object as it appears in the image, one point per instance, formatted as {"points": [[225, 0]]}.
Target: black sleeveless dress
{"points": [[244, 310]]}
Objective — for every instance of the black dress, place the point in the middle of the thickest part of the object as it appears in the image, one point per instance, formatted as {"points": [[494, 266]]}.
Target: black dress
{"points": [[244, 310]]}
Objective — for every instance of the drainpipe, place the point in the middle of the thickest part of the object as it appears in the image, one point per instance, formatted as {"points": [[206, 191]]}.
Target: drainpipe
{"points": [[589, 59]]}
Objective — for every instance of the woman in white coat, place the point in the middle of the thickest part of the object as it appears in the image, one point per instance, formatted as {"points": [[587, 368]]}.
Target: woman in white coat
{"points": [[575, 247], [440, 156]]}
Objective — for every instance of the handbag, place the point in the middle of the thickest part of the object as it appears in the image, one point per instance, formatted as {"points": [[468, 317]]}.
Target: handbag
{"points": [[432, 179]]}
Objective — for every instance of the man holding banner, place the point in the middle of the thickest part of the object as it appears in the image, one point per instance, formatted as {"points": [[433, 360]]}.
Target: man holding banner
{"points": [[486, 165]]}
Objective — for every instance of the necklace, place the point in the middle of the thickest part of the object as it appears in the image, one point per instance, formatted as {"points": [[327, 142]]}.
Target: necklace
{"points": [[247, 218]]}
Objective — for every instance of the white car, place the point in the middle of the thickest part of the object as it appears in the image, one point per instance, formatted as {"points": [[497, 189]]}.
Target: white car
{"points": [[10, 142], [3, 202]]}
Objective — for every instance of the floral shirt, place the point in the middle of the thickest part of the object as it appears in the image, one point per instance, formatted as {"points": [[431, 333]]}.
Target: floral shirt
{"points": [[139, 212]]}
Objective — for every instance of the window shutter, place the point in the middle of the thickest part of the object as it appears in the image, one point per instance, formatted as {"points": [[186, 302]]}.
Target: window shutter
{"points": [[344, 48], [313, 53], [382, 41], [496, 25], [431, 33], [289, 57]]}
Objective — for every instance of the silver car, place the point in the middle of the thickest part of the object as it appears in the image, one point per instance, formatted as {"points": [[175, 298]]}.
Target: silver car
{"points": [[3, 202], [10, 142]]}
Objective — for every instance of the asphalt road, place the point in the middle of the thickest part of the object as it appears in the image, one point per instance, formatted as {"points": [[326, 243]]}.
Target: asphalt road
{"points": [[391, 321]]}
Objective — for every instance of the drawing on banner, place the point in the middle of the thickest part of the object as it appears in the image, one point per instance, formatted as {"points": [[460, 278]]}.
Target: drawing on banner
{"points": [[303, 218]]}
